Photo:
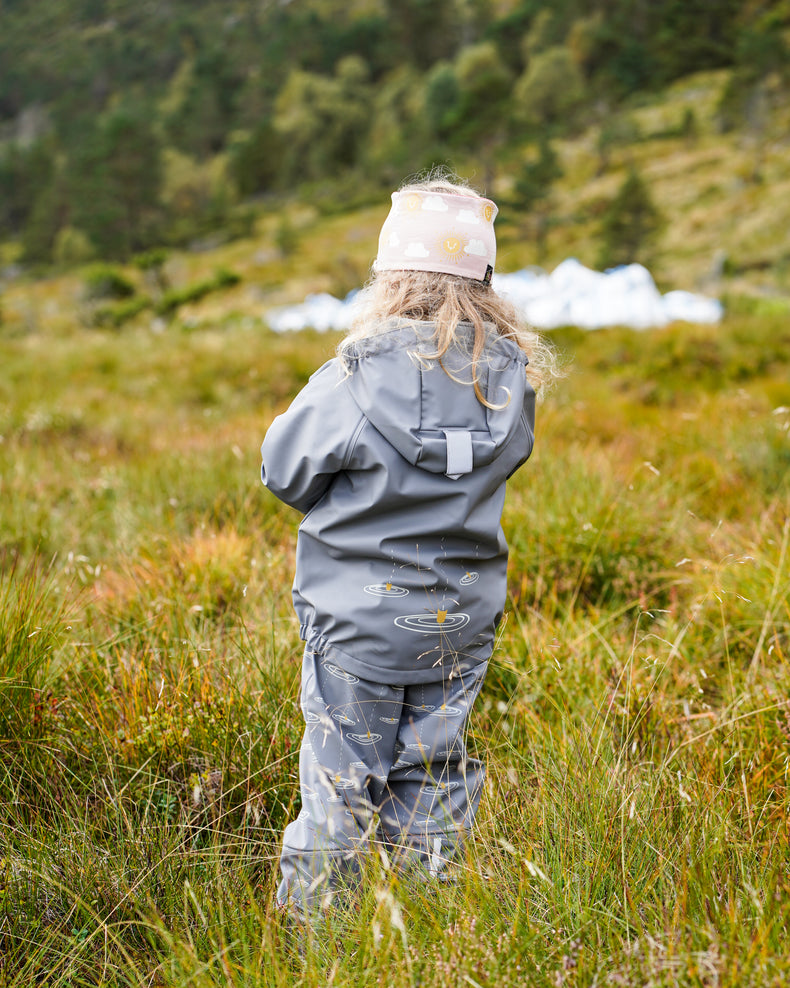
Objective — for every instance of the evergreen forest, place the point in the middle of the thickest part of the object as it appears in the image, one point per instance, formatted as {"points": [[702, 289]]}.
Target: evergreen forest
{"points": [[126, 125]]}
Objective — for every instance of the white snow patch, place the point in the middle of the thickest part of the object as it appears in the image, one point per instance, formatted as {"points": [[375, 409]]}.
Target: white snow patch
{"points": [[572, 295]]}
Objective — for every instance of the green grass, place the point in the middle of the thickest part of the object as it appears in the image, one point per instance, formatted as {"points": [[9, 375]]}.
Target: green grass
{"points": [[635, 722]]}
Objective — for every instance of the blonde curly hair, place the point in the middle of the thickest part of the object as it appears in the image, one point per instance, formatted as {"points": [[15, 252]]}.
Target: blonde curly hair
{"points": [[446, 300]]}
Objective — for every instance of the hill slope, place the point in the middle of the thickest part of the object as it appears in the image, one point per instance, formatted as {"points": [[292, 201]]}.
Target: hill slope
{"points": [[724, 198]]}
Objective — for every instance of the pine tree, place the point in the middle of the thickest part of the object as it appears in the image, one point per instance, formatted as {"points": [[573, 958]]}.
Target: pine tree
{"points": [[531, 197], [630, 225], [114, 182]]}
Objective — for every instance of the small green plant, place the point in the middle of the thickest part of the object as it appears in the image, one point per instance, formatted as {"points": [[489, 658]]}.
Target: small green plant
{"points": [[689, 126], [32, 624], [151, 260], [152, 264]]}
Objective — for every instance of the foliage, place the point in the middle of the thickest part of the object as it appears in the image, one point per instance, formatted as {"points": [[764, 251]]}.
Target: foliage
{"points": [[44, 220], [761, 76], [113, 182], [32, 623], [484, 88], [551, 91], [103, 281], [151, 260], [203, 102], [286, 237], [442, 98], [531, 196], [619, 130], [405, 119], [634, 721], [253, 159], [281, 93], [426, 33], [630, 225], [24, 173], [321, 121], [198, 198], [172, 299], [114, 316], [72, 247], [534, 180]]}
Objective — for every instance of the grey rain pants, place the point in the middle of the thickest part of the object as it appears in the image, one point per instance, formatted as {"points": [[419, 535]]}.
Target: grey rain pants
{"points": [[380, 766]]}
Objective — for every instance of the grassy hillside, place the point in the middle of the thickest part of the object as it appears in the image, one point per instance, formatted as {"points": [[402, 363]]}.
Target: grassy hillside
{"points": [[724, 198], [124, 127], [635, 721]]}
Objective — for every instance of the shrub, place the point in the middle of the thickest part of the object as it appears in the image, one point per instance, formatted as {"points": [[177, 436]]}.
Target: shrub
{"points": [[172, 300], [114, 316], [104, 281], [151, 260]]}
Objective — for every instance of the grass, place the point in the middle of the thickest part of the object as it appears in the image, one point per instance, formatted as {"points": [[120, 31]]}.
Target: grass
{"points": [[635, 721]]}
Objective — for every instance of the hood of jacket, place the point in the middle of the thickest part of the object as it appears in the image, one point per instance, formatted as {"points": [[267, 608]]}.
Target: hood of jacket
{"points": [[427, 409]]}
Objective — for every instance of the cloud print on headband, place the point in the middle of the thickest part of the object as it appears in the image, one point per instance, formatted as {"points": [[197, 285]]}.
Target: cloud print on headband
{"points": [[435, 203], [477, 247], [430, 231]]}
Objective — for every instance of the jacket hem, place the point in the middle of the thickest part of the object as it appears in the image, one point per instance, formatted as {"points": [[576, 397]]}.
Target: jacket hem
{"points": [[386, 675]]}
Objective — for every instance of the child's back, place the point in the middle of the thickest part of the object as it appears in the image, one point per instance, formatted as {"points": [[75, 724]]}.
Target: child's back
{"points": [[397, 452], [401, 561]]}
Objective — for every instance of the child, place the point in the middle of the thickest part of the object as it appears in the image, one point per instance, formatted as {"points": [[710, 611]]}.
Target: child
{"points": [[397, 452]]}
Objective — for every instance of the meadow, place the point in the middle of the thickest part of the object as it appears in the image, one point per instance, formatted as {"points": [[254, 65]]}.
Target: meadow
{"points": [[635, 722]]}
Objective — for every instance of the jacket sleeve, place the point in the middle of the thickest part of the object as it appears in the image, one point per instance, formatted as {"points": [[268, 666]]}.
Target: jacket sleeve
{"points": [[308, 444]]}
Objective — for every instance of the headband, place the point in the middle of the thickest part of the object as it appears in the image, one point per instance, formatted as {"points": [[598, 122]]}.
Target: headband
{"points": [[434, 231]]}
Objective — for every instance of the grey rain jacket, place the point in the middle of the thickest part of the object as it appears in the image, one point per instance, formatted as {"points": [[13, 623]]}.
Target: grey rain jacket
{"points": [[400, 470]]}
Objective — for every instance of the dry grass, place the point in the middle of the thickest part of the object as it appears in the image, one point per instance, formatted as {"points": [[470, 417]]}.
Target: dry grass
{"points": [[635, 720]]}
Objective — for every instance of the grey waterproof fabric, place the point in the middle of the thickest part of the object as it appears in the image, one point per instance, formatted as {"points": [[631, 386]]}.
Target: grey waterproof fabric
{"points": [[400, 470], [382, 767]]}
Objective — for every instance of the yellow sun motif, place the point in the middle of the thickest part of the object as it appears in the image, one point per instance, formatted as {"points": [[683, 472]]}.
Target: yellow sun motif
{"points": [[488, 211], [413, 202], [452, 246]]}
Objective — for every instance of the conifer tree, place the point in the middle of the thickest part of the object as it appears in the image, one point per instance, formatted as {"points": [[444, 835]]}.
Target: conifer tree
{"points": [[114, 182], [630, 225], [531, 197]]}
